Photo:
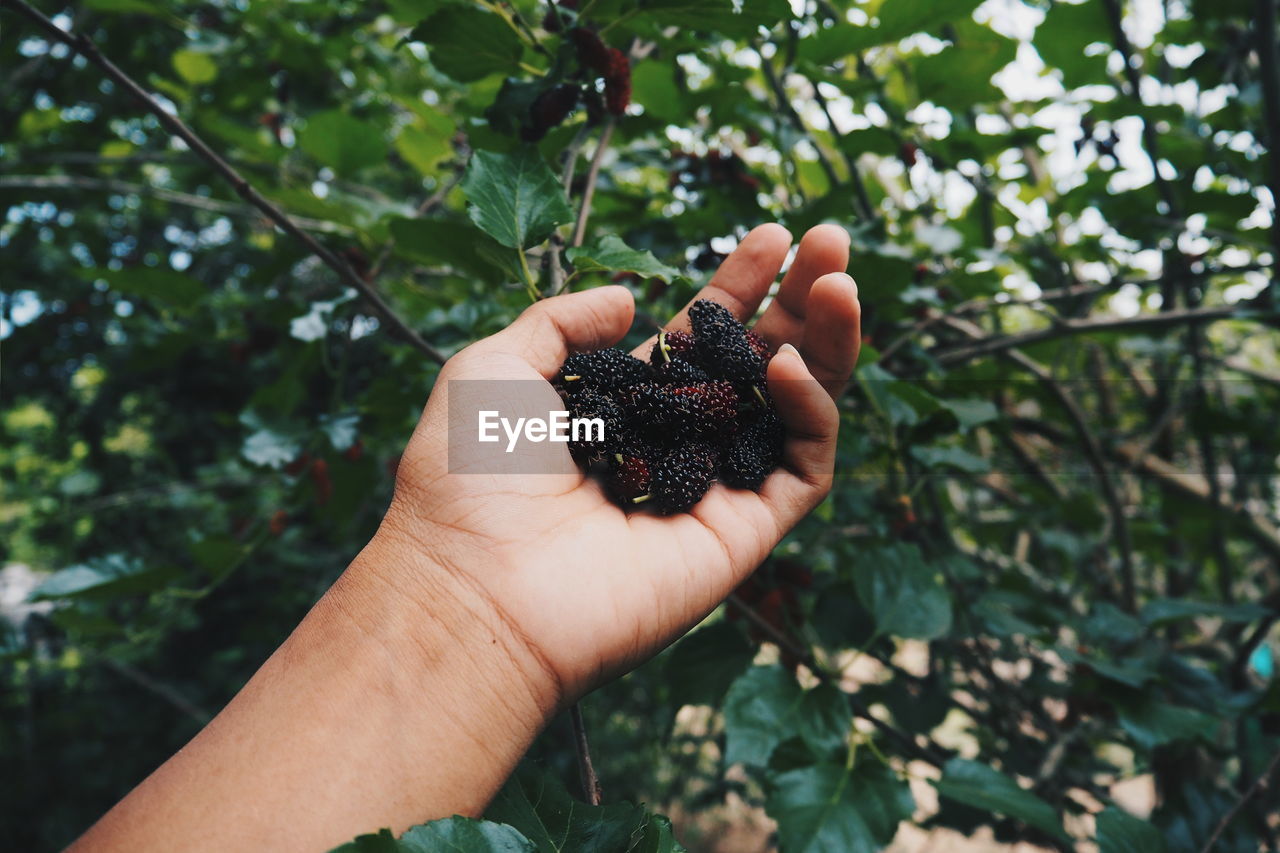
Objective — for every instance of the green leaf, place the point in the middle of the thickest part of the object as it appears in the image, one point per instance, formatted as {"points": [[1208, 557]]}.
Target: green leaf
{"points": [[434, 242], [981, 787], [342, 142], [422, 149], [126, 7], [169, 287], [217, 555], [611, 254], [112, 575], [902, 592], [897, 21], [195, 67], [468, 43], [1153, 722], [702, 666], [960, 75], [461, 834], [1161, 611], [341, 430], [831, 807], [903, 403], [972, 412], [1064, 34], [538, 806], [766, 706], [1132, 672], [759, 713], [514, 197], [1120, 832], [950, 457]]}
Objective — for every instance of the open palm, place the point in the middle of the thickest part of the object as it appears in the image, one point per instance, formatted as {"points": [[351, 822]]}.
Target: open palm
{"points": [[592, 589]]}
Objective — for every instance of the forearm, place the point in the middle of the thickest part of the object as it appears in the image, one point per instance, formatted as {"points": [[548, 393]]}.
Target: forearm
{"points": [[369, 715]]}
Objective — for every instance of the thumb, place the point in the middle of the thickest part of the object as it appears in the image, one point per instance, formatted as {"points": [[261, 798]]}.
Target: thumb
{"points": [[550, 329]]}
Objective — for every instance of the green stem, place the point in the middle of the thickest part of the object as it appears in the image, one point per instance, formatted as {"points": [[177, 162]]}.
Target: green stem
{"points": [[529, 284]]}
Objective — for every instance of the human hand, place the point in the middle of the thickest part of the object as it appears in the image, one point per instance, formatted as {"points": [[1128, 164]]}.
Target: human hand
{"points": [[587, 589], [487, 602]]}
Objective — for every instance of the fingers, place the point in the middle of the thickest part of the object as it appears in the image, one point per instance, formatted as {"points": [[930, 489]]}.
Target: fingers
{"points": [[812, 422], [832, 330], [743, 280], [823, 249], [549, 330]]}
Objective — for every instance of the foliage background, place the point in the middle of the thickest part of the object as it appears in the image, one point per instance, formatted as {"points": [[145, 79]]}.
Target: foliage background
{"points": [[1049, 567]]}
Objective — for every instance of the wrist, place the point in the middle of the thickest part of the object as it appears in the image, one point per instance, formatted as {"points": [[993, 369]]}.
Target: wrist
{"points": [[429, 615]]}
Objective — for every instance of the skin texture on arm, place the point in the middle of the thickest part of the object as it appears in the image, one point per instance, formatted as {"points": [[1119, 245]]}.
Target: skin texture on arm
{"points": [[413, 687]]}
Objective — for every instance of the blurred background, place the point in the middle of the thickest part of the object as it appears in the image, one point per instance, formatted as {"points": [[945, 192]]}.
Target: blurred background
{"points": [[1036, 612]]}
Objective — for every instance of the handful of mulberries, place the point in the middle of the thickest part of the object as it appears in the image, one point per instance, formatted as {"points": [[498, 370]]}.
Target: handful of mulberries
{"points": [[696, 412]]}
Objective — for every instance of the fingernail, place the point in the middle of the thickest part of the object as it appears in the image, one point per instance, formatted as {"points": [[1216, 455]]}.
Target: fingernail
{"points": [[788, 349]]}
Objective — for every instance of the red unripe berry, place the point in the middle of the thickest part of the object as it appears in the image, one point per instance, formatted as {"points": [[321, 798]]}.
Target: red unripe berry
{"points": [[617, 82], [591, 51], [279, 522], [320, 478], [909, 153], [298, 465]]}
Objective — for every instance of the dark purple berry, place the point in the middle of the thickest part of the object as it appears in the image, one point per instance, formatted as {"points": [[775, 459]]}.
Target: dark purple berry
{"points": [[602, 370]]}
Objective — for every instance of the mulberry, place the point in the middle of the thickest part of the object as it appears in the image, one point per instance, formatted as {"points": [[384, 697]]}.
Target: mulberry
{"points": [[697, 410], [603, 370], [702, 409], [590, 446], [630, 476], [670, 346], [592, 52], [682, 478], [722, 345], [549, 109], [759, 346], [754, 453], [680, 372], [617, 82]]}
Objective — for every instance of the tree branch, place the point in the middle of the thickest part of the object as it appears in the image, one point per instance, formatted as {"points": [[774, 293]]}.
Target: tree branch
{"points": [[1066, 327], [199, 202], [1256, 788], [586, 770], [85, 46], [589, 191]]}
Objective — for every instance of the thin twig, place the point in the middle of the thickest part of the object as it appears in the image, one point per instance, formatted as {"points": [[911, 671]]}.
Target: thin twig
{"points": [[85, 46], [429, 204], [1256, 788], [157, 688], [1093, 453], [198, 202], [789, 110], [571, 158], [589, 190], [1150, 139], [586, 771], [865, 207], [1269, 65]]}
